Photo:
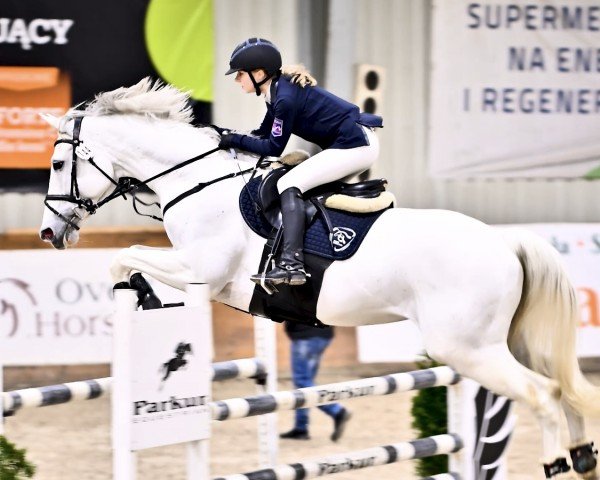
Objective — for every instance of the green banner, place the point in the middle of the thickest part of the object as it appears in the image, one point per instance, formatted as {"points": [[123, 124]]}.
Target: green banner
{"points": [[179, 39]]}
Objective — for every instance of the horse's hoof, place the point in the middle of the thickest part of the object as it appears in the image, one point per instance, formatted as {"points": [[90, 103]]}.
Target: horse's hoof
{"points": [[121, 286], [556, 468], [584, 459], [139, 283], [151, 302]]}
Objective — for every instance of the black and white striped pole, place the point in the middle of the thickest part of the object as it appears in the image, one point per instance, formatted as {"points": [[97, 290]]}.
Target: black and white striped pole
{"points": [[357, 460]]}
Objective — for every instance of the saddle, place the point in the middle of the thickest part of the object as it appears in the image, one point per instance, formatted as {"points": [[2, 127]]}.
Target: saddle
{"points": [[333, 233], [363, 197]]}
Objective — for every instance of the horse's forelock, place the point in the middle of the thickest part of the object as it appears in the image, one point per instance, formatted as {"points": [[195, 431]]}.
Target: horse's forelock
{"points": [[152, 99]]}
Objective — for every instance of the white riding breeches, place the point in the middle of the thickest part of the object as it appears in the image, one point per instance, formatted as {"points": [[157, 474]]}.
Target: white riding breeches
{"points": [[331, 165]]}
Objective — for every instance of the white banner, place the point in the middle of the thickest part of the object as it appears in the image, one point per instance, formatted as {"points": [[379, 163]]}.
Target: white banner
{"points": [[515, 90], [170, 377], [56, 307], [579, 245]]}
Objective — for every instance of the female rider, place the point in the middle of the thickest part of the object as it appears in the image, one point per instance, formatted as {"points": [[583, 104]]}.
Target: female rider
{"points": [[295, 105]]}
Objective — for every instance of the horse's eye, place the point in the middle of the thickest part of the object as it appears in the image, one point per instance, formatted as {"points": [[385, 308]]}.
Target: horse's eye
{"points": [[57, 165]]}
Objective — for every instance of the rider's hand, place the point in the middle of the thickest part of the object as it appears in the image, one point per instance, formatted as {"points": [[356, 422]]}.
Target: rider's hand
{"points": [[218, 129], [226, 141]]}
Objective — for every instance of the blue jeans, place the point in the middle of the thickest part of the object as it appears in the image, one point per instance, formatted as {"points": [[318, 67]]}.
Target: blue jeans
{"points": [[306, 356]]}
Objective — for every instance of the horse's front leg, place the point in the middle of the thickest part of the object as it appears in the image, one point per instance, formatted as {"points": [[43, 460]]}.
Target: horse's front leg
{"points": [[164, 264]]}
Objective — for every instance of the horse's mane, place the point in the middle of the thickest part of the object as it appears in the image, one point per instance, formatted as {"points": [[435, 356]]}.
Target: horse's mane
{"points": [[151, 99]]}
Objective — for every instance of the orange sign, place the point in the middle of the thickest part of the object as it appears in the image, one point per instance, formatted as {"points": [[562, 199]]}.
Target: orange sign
{"points": [[26, 141]]}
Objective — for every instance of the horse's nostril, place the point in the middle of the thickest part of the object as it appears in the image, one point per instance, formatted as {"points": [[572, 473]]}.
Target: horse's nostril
{"points": [[47, 234]]}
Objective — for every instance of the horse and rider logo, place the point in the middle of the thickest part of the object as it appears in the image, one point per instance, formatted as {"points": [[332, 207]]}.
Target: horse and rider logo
{"points": [[15, 294], [177, 362], [342, 238]]}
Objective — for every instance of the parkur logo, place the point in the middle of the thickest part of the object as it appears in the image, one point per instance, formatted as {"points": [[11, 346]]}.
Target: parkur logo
{"points": [[145, 407], [178, 361]]}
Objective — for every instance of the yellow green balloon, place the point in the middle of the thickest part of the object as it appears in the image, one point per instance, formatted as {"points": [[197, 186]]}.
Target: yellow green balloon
{"points": [[179, 40]]}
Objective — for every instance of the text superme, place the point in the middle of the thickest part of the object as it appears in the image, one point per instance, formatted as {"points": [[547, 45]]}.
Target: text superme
{"points": [[534, 16], [38, 31]]}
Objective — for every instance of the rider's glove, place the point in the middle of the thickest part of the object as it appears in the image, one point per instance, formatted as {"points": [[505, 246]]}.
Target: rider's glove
{"points": [[227, 141], [218, 129]]}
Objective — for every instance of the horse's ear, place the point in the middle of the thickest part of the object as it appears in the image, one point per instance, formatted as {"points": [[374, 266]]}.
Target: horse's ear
{"points": [[50, 119]]}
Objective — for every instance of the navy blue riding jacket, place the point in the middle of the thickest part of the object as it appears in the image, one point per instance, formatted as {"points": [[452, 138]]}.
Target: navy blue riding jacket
{"points": [[313, 114]]}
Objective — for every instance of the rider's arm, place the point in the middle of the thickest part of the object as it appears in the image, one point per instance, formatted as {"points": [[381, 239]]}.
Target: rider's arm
{"points": [[280, 132]]}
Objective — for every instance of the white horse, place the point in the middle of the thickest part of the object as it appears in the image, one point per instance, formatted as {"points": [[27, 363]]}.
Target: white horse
{"points": [[494, 304]]}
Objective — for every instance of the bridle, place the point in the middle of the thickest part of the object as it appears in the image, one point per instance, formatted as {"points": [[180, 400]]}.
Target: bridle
{"points": [[74, 196], [123, 185]]}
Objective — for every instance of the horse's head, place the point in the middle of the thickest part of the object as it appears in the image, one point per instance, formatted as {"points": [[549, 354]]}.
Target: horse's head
{"points": [[79, 176]]}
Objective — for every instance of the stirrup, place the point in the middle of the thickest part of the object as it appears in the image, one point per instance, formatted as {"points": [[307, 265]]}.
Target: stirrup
{"points": [[279, 275]]}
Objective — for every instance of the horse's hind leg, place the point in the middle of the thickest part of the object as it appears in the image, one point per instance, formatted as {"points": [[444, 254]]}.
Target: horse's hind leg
{"points": [[494, 367], [583, 454]]}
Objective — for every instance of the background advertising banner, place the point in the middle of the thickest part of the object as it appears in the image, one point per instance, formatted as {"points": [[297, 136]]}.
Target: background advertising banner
{"points": [[515, 89], [579, 245], [27, 141], [54, 55], [56, 307]]}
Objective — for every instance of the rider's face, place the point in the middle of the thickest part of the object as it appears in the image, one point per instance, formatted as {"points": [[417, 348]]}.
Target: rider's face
{"points": [[245, 82]]}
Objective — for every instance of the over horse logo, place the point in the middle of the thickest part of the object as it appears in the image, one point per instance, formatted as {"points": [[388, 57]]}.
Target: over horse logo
{"points": [[178, 361]]}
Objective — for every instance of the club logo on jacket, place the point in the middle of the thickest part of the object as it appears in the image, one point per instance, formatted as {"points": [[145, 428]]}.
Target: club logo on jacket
{"points": [[277, 129], [342, 238]]}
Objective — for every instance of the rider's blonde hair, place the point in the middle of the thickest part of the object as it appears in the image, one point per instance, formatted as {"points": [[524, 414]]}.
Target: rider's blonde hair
{"points": [[299, 75]]}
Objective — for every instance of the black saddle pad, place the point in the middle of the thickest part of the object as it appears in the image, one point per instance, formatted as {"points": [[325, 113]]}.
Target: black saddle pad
{"points": [[349, 229]]}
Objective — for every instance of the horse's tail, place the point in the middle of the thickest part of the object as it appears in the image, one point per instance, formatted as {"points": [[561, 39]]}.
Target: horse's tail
{"points": [[543, 330]]}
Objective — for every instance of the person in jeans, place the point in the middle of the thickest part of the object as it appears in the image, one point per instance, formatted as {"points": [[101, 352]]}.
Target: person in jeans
{"points": [[308, 345]]}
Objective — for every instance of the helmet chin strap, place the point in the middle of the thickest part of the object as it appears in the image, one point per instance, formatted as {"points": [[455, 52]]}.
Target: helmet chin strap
{"points": [[258, 84]]}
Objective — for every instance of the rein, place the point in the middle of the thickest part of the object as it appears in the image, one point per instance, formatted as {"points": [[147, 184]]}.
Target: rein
{"points": [[124, 185]]}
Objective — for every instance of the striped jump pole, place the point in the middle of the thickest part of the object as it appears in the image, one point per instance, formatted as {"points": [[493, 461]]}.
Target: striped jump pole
{"points": [[91, 389], [334, 392], [444, 476], [371, 457]]}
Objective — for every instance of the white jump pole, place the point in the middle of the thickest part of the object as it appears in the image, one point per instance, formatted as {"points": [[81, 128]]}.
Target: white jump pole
{"points": [[124, 459], [265, 349], [198, 452]]}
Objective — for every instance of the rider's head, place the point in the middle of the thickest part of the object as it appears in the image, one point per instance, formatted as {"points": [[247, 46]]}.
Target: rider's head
{"points": [[257, 59]]}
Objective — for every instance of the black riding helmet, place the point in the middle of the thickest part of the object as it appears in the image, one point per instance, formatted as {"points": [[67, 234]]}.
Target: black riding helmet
{"points": [[254, 54]]}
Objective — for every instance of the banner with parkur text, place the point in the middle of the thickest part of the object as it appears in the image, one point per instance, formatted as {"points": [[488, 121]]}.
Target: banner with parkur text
{"points": [[515, 89], [579, 245]]}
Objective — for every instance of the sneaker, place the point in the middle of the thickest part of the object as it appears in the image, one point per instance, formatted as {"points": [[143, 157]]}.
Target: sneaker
{"points": [[339, 424], [295, 434]]}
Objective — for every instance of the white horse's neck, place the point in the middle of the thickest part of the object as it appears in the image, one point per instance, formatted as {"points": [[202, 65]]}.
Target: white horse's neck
{"points": [[146, 147], [143, 148]]}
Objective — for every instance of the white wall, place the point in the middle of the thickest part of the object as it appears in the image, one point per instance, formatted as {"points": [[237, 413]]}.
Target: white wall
{"points": [[391, 33], [395, 34]]}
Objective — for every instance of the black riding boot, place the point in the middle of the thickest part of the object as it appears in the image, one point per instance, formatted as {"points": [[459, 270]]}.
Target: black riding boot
{"points": [[290, 267]]}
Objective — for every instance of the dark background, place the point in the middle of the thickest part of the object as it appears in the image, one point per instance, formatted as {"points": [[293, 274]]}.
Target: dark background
{"points": [[105, 50]]}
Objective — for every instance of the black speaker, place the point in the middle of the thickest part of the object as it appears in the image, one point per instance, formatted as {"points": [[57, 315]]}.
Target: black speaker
{"points": [[370, 80]]}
